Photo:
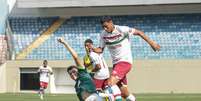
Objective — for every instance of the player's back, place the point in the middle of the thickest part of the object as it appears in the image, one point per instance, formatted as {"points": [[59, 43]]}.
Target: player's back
{"points": [[84, 83], [96, 58]]}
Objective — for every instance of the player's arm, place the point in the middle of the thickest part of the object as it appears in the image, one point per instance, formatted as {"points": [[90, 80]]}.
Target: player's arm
{"points": [[101, 47], [39, 70], [153, 44], [72, 52], [50, 71], [97, 68]]}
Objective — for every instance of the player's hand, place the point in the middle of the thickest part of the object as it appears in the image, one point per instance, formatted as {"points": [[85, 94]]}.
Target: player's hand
{"points": [[51, 73], [61, 40], [87, 64], [155, 47]]}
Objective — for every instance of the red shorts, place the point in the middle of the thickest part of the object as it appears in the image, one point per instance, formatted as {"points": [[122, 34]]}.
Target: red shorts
{"points": [[43, 84], [100, 84], [120, 70]]}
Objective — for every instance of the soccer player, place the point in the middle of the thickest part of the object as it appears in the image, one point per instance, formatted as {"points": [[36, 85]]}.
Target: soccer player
{"points": [[101, 72], [45, 71], [117, 40], [100, 68], [84, 87]]}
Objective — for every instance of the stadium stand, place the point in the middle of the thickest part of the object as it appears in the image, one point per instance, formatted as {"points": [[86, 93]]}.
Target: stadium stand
{"points": [[178, 35], [25, 30]]}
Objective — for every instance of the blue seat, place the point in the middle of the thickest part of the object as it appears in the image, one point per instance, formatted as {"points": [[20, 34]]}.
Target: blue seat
{"points": [[178, 35]]}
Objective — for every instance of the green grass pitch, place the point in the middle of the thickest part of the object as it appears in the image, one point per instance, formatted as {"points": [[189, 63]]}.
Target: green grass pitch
{"points": [[69, 97]]}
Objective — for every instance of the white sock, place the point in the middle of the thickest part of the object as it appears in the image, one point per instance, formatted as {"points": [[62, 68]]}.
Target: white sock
{"points": [[41, 96], [131, 97]]}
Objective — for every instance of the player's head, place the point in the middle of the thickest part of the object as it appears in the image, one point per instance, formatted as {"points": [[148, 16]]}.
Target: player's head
{"points": [[88, 43], [107, 24], [73, 72], [45, 63]]}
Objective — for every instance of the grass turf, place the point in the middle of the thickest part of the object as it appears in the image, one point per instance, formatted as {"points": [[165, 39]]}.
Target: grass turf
{"points": [[69, 97]]}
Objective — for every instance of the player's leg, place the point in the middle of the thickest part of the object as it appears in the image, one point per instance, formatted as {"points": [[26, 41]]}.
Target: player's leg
{"points": [[43, 86], [113, 89], [119, 74], [125, 93], [114, 93], [41, 90], [100, 86]]}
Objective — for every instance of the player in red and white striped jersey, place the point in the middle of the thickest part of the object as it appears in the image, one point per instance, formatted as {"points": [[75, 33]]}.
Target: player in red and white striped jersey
{"points": [[45, 71], [117, 39], [101, 72]]}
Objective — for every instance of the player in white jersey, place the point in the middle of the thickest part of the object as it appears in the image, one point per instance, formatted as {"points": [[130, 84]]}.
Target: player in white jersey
{"points": [[117, 39], [101, 71], [45, 71]]}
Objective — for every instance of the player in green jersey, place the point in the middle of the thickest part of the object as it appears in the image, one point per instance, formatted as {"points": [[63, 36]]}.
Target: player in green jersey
{"points": [[84, 87]]}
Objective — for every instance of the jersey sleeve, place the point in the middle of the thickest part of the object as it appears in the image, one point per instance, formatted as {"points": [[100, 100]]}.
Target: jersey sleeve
{"points": [[39, 69], [50, 69], [101, 42], [81, 67], [127, 30]]}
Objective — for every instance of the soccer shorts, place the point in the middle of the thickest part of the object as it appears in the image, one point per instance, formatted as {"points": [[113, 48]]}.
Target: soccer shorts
{"points": [[43, 84], [100, 84], [120, 71]]}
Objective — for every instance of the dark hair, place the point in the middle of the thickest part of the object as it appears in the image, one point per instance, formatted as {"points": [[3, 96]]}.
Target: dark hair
{"points": [[105, 19], [88, 41], [44, 61], [70, 68]]}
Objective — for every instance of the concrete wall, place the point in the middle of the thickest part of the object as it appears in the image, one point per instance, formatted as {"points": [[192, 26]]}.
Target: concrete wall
{"points": [[165, 76], [3, 78], [147, 76], [13, 71]]}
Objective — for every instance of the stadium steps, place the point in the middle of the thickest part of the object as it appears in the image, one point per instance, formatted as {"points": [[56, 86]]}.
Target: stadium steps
{"points": [[42, 38]]}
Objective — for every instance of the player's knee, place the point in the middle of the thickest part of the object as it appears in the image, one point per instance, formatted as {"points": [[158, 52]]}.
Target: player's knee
{"points": [[124, 91], [124, 94], [112, 80]]}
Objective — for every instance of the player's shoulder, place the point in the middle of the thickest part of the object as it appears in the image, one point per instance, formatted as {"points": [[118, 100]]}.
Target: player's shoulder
{"points": [[93, 54], [49, 67], [121, 28], [40, 67], [103, 33]]}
